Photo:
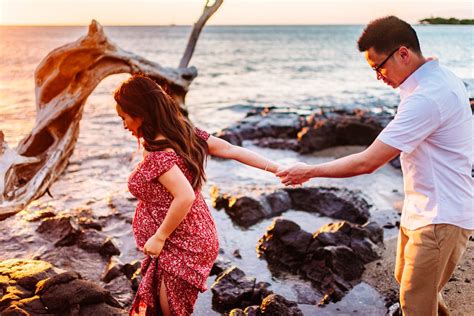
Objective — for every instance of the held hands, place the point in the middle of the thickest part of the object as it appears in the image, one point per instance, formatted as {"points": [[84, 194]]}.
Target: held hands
{"points": [[153, 246], [297, 174]]}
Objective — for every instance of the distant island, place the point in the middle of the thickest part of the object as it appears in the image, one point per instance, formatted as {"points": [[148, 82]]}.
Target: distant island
{"points": [[439, 20]]}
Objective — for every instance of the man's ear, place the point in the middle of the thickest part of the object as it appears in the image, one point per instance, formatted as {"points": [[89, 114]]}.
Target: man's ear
{"points": [[405, 54]]}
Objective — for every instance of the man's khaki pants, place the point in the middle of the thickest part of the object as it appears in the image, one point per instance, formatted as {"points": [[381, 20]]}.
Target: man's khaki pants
{"points": [[426, 259]]}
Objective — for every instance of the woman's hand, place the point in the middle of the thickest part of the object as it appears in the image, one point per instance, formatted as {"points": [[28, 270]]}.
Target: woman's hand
{"points": [[153, 246], [294, 175]]}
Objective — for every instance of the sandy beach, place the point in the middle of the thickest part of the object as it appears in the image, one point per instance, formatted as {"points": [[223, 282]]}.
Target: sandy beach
{"points": [[457, 293]]}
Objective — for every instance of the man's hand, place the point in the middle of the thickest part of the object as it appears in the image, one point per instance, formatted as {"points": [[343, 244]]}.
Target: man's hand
{"points": [[296, 174]]}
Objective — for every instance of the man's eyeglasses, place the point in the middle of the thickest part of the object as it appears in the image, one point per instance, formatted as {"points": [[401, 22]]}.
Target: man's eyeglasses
{"points": [[377, 69]]}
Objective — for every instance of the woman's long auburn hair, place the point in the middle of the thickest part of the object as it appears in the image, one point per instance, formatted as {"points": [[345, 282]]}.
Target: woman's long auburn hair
{"points": [[141, 97]]}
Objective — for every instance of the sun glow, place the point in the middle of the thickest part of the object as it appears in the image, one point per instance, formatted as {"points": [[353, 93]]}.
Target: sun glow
{"points": [[233, 12]]}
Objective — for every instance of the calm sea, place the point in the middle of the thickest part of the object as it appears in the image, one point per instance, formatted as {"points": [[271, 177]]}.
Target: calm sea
{"points": [[239, 66]]}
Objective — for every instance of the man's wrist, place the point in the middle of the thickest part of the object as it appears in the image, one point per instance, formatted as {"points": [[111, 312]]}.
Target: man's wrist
{"points": [[310, 171]]}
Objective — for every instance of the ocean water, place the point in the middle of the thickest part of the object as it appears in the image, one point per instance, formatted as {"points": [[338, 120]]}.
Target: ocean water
{"points": [[239, 67]]}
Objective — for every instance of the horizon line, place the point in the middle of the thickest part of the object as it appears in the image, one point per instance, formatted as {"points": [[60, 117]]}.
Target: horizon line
{"points": [[190, 25]]}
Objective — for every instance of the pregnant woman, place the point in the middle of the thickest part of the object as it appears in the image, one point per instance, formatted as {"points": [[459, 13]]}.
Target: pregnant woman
{"points": [[172, 224]]}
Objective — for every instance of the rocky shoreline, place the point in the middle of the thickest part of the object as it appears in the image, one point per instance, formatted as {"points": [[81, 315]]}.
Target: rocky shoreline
{"points": [[75, 252]]}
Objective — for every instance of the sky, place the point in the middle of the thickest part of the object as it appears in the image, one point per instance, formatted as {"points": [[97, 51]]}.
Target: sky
{"points": [[232, 12]]}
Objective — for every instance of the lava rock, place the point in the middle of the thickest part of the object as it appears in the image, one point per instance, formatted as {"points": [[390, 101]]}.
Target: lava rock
{"points": [[129, 269], [34, 287], [278, 202], [221, 264], [64, 291], [331, 258], [332, 202], [275, 304], [323, 128], [121, 286], [112, 270], [233, 289], [93, 241], [245, 211], [342, 127], [284, 244], [266, 124], [26, 273], [61, 230]]}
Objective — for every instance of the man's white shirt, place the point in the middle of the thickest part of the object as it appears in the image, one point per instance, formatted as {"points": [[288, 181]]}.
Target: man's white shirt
{"points": [[433, 128]]}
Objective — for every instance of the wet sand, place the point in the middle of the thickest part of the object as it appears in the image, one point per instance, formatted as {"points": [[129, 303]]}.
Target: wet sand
{"points": [[458, 292]]}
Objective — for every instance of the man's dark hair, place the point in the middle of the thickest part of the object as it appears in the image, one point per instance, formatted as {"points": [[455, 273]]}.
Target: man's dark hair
{"points": [[388, 33]]}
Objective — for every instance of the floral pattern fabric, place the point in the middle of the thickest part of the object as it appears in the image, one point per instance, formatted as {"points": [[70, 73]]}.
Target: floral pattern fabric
{"points": [[189, 252]]}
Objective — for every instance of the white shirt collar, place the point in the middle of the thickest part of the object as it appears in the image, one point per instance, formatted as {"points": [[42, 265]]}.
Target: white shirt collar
{"points": [[410, 83]]}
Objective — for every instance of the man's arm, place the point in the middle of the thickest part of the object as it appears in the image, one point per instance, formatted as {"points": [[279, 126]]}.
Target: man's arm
{"points": [[375, 156]]}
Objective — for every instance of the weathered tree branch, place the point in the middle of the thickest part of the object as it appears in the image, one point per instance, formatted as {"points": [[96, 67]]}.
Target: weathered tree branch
{"points": [[63, 81], [197, 28]]}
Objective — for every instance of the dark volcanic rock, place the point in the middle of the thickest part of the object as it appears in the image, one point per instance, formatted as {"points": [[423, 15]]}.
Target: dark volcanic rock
{"points": [[61, 230], [322, 129], [263, 125], [332, 202], [129, 269], [374, 232], [221, 264], [86, 218], [342, 127], [61, 292], [26, 273], [94, 241], [278, 202], [101, 309], [275, 304], [112, 270], [233, 289], [278, 143], [341, 260], [285, 244], [122, 289], [331, 258], [272, 305], [45, 292], [245, 211]]}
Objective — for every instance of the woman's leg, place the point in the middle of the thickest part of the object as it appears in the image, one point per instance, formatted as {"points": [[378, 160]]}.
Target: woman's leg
{"points": [[165, 308]]}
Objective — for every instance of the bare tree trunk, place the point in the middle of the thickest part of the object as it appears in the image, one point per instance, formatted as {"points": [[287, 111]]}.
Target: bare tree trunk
{"points": [[63, 81], [208, 11]]}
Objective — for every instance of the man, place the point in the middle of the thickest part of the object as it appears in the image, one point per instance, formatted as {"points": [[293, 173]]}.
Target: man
{"points": [[433, 132]]}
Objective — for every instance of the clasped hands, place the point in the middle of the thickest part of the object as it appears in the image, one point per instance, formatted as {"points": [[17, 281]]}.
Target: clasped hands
{"points": [[296, 174]]}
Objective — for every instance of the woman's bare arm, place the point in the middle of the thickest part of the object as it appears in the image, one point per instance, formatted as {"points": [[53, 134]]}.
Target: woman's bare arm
{"points": [[220, 148], [183, 197]]}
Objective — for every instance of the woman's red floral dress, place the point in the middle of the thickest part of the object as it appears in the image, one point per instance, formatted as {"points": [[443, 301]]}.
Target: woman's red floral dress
{"points": [[189, 252]]}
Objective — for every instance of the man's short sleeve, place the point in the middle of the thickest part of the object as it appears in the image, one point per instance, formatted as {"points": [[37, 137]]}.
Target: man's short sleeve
{"points": [[416, 119]]}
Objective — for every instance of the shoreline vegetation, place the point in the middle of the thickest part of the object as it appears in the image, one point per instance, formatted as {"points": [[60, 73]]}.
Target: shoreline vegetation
{"points": [[440, 20]]}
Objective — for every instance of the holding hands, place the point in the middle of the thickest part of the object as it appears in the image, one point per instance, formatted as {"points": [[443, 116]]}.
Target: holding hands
{"points": [[296, 174]]}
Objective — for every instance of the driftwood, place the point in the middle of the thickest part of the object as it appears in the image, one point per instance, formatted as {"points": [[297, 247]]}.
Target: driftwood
{"points": [[63, 81], [209, 10]]}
